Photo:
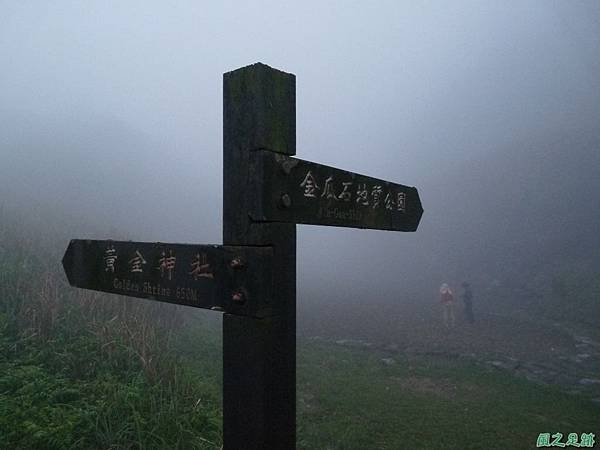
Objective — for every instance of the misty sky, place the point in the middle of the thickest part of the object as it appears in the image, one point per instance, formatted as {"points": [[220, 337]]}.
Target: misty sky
{"points": [[113, 111]]}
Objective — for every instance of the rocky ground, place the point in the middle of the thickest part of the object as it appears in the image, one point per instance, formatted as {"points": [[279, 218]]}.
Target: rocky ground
{"points": [[542, 351]]}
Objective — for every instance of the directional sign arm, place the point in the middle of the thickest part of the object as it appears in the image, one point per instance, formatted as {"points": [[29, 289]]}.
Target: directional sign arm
{"points": [[288, 189], [234, 279]]}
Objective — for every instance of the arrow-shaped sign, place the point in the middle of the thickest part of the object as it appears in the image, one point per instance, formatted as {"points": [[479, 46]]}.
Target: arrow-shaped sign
{"points": [[287, 189], [234, 279]]}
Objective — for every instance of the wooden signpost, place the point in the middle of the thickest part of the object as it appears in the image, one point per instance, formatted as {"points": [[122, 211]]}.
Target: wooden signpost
{"points": [[252, 276]]}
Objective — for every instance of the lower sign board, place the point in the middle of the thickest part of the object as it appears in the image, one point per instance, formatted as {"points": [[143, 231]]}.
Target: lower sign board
{"points": [[288, 189], [234, 279]]}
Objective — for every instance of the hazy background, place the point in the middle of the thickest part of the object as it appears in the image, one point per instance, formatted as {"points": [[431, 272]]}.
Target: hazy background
{"points": [[111, 116]]}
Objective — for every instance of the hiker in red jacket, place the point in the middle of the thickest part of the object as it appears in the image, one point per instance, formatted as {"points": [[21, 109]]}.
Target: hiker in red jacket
{"points": [[447, 301]]}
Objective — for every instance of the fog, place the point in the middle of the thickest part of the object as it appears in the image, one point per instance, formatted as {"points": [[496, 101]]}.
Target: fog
{"points": [[111, 116]]}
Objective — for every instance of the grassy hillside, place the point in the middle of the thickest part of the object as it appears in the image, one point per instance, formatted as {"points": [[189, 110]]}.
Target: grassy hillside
{"points": [[80, 370], [84, 370]]}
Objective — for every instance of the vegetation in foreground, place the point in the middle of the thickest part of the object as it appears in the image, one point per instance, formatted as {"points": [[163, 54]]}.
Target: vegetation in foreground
{"points": [[81, 370], [86, 371], [363, 399]]}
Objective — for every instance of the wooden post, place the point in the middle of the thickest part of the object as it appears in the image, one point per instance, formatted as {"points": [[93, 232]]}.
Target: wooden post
{"points": [[259, 354]]}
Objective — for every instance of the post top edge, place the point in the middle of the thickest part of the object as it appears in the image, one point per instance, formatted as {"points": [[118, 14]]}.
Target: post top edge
{"points": [[257, 65]]}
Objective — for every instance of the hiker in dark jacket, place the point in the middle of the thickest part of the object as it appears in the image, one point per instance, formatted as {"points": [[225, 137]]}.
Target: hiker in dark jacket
{"points": [[467, 299]]}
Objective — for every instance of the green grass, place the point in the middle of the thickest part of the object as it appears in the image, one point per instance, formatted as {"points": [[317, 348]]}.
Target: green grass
{"points": [[349, 399], [85, 372], [67, 393]]}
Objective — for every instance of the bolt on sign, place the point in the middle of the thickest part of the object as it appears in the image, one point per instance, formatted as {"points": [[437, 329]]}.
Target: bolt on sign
{"points": [[251, 278]]}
